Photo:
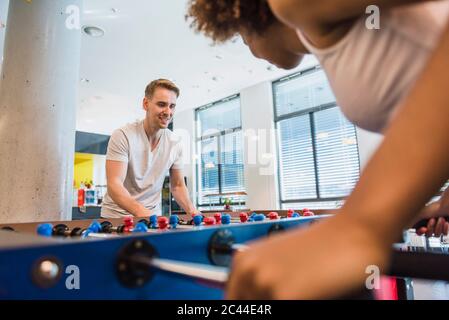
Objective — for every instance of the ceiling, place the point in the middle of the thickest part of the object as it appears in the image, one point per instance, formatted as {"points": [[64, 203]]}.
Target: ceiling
{"points": [[145, 40]]}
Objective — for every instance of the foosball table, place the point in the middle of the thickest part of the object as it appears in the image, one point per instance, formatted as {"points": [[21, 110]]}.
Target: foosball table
{"points": [[157, 258]]}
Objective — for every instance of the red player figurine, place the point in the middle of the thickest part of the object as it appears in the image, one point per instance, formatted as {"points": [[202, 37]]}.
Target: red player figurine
{"points": [[273, 215], [129, 224], [217, 217], [209, 221], [162, 223], [307, 213], [243, 217]]}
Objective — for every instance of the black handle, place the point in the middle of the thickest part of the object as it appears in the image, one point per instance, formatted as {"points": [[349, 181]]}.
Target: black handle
{"points": [[422, 265]]}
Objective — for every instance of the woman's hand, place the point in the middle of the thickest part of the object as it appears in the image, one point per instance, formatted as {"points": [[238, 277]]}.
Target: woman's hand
{"points": [[435, 212], [325, 260]]}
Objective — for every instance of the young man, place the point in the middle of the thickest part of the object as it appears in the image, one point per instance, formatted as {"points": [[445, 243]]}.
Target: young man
{"points": [[393, 81], [139, 156]]}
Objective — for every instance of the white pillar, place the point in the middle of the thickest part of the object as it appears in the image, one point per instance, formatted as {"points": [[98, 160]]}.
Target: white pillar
{"points": [[260, 147], [184, 126], [38, 97]]}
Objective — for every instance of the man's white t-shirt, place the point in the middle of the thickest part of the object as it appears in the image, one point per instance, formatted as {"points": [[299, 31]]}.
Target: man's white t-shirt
{"points": [[146, 169]]}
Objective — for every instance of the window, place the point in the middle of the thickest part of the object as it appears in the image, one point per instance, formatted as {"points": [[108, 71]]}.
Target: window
{"points": [[318, 152], [220, 146]]}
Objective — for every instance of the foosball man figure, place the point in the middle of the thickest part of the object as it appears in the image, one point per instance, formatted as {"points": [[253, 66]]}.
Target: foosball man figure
{"points": [[259, 217], [225, 219], [243, 217], [173, 221], [162, 223], [197, 220], [273, 215], [209, 221], [128, 223], [307, 213], [141, 227], [252, 216]]}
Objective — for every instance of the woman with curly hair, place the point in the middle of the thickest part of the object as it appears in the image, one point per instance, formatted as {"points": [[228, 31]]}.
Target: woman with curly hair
{"points": [[391, 80]]}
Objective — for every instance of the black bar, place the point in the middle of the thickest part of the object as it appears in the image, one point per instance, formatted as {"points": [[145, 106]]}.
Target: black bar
{"points": [[421, 265]]}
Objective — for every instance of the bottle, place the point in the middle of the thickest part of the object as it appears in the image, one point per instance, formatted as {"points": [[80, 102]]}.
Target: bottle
{"points": [[81, 195]]}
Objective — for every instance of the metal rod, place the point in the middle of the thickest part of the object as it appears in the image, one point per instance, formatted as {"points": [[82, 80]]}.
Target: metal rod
{"points": [[210, 274], [239, 247], [422, 265]]}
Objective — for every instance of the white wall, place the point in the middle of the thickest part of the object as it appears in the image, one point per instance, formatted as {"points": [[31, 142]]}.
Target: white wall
{"points": [[99, 170]]}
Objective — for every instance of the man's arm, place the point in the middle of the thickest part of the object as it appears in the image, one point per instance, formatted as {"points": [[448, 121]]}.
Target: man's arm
{"points": [[180, 192], [115, 175]]}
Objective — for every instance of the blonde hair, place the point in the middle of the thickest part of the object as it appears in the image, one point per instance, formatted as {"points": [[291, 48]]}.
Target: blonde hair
{"points": [[160, 83]]}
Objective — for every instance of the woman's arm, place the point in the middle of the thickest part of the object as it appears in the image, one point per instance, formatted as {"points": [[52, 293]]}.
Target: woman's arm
{"points": [[331, 258]]}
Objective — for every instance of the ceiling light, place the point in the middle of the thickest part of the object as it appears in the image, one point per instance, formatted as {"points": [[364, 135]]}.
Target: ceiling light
{"points": [[84, 80], [93, 31]]}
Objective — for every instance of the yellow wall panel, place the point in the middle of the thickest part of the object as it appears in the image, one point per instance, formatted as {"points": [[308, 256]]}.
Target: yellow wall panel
{"points": [[83, 168]]}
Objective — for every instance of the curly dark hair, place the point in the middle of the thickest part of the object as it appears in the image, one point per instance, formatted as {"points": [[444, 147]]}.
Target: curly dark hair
{"points": [[221, 20]]}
